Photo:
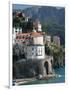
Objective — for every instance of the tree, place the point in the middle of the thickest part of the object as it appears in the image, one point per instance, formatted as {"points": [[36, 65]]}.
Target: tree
{"points": [[58, 58], [30, 25], [56, 52]]}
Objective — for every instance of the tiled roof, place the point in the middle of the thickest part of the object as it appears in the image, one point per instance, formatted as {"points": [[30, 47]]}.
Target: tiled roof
{"points": [[21, 34], [36, 34], [26, 35]]}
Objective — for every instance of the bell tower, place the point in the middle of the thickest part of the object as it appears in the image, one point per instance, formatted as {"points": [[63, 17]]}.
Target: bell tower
{"points": [[38, 26]]}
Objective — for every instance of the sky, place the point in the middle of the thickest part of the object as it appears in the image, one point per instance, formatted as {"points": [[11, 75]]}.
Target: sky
{"points": [[22, 6]]}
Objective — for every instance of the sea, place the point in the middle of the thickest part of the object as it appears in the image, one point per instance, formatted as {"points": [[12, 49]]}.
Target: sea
{"points": [[59, 79]]}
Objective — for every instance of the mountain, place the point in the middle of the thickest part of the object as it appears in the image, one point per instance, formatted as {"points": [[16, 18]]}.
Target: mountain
{"points": [[51, 18], [46, 14]]}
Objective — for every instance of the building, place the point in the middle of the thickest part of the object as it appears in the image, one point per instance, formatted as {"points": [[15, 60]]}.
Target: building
{"points": [[13, 38], [48, 40], [33, 43], [35, 52], [37, 26], [33, 48], [16, 31], [37, 38], [30, 38], [22, 38], [36, 49], [19, 14], [27, 19], [56, 40]]}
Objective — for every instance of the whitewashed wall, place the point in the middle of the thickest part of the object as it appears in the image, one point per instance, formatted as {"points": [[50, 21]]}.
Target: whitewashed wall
{"points": [[39, 27], [38, 40], [56, 40], [16, 31], [35, 52]]}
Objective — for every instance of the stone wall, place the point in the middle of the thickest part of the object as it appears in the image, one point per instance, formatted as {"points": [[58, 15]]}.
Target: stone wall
{"points": [[31, 68]]}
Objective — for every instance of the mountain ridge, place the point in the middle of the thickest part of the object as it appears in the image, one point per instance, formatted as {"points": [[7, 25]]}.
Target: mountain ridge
{"points": [[46, 14]]}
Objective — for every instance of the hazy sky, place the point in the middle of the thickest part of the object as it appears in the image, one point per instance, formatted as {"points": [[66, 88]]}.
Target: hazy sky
{"points": [[20, 6]]}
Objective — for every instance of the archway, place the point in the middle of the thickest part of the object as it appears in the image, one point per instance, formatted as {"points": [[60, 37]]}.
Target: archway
{"points": [[51, 62], [46, 67]]}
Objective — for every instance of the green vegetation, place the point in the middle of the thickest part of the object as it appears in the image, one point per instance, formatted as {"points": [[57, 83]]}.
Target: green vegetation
{"points": [[20, 22], [51, 28], [55, 29], [57, 53]]}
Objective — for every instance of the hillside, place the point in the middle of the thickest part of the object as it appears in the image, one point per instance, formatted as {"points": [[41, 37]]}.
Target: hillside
{"points": [[46, 14], [51, 18]]}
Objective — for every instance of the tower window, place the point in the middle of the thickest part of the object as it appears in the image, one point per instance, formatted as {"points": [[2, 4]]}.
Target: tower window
{"points": [[32, 49], [16, 31], [39, 51]]}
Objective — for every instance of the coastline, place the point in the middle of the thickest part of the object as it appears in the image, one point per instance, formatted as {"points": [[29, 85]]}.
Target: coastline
{"points": [[27, 80]]}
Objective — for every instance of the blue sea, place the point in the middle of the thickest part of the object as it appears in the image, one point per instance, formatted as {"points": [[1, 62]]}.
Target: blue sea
{"points": [[59, 79]]}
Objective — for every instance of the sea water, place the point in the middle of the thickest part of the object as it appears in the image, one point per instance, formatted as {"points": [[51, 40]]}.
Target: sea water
{"points": [[59, 79]]}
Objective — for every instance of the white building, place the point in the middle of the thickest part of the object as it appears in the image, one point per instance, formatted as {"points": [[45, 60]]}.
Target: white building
{"points": [[33, 44], [13, 38], [37, 35], [35, 52], [15, 32], [36, 49], [56, 40], [37, 38], [23, 38], [48, 39], [37, 26], [27, 18]]}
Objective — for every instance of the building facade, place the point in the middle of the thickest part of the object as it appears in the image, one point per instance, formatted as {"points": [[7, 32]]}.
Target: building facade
{"points": [[48, 40], [35, 52], [33, 48], [38, 26], [56, 40]]}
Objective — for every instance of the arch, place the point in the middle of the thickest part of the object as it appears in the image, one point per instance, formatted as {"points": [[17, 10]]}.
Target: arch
{"points": [[46, 67], [23, 56], [52, 62]]}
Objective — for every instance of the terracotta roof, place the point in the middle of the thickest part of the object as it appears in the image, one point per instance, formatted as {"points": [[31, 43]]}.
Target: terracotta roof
{"points": [[23, 36], [36, 34]]}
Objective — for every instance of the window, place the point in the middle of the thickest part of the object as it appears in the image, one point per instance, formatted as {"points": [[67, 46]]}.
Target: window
{"points": [[16, 31], [32, 53], [19, 37], [16, 37], [22, 50], [32, 49], [21, 40], [23, 37], [39, 51]]}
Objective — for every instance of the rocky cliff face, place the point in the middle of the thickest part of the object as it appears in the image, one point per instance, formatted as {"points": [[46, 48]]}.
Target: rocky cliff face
{"points": [[46, 14], [51, 18]]}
